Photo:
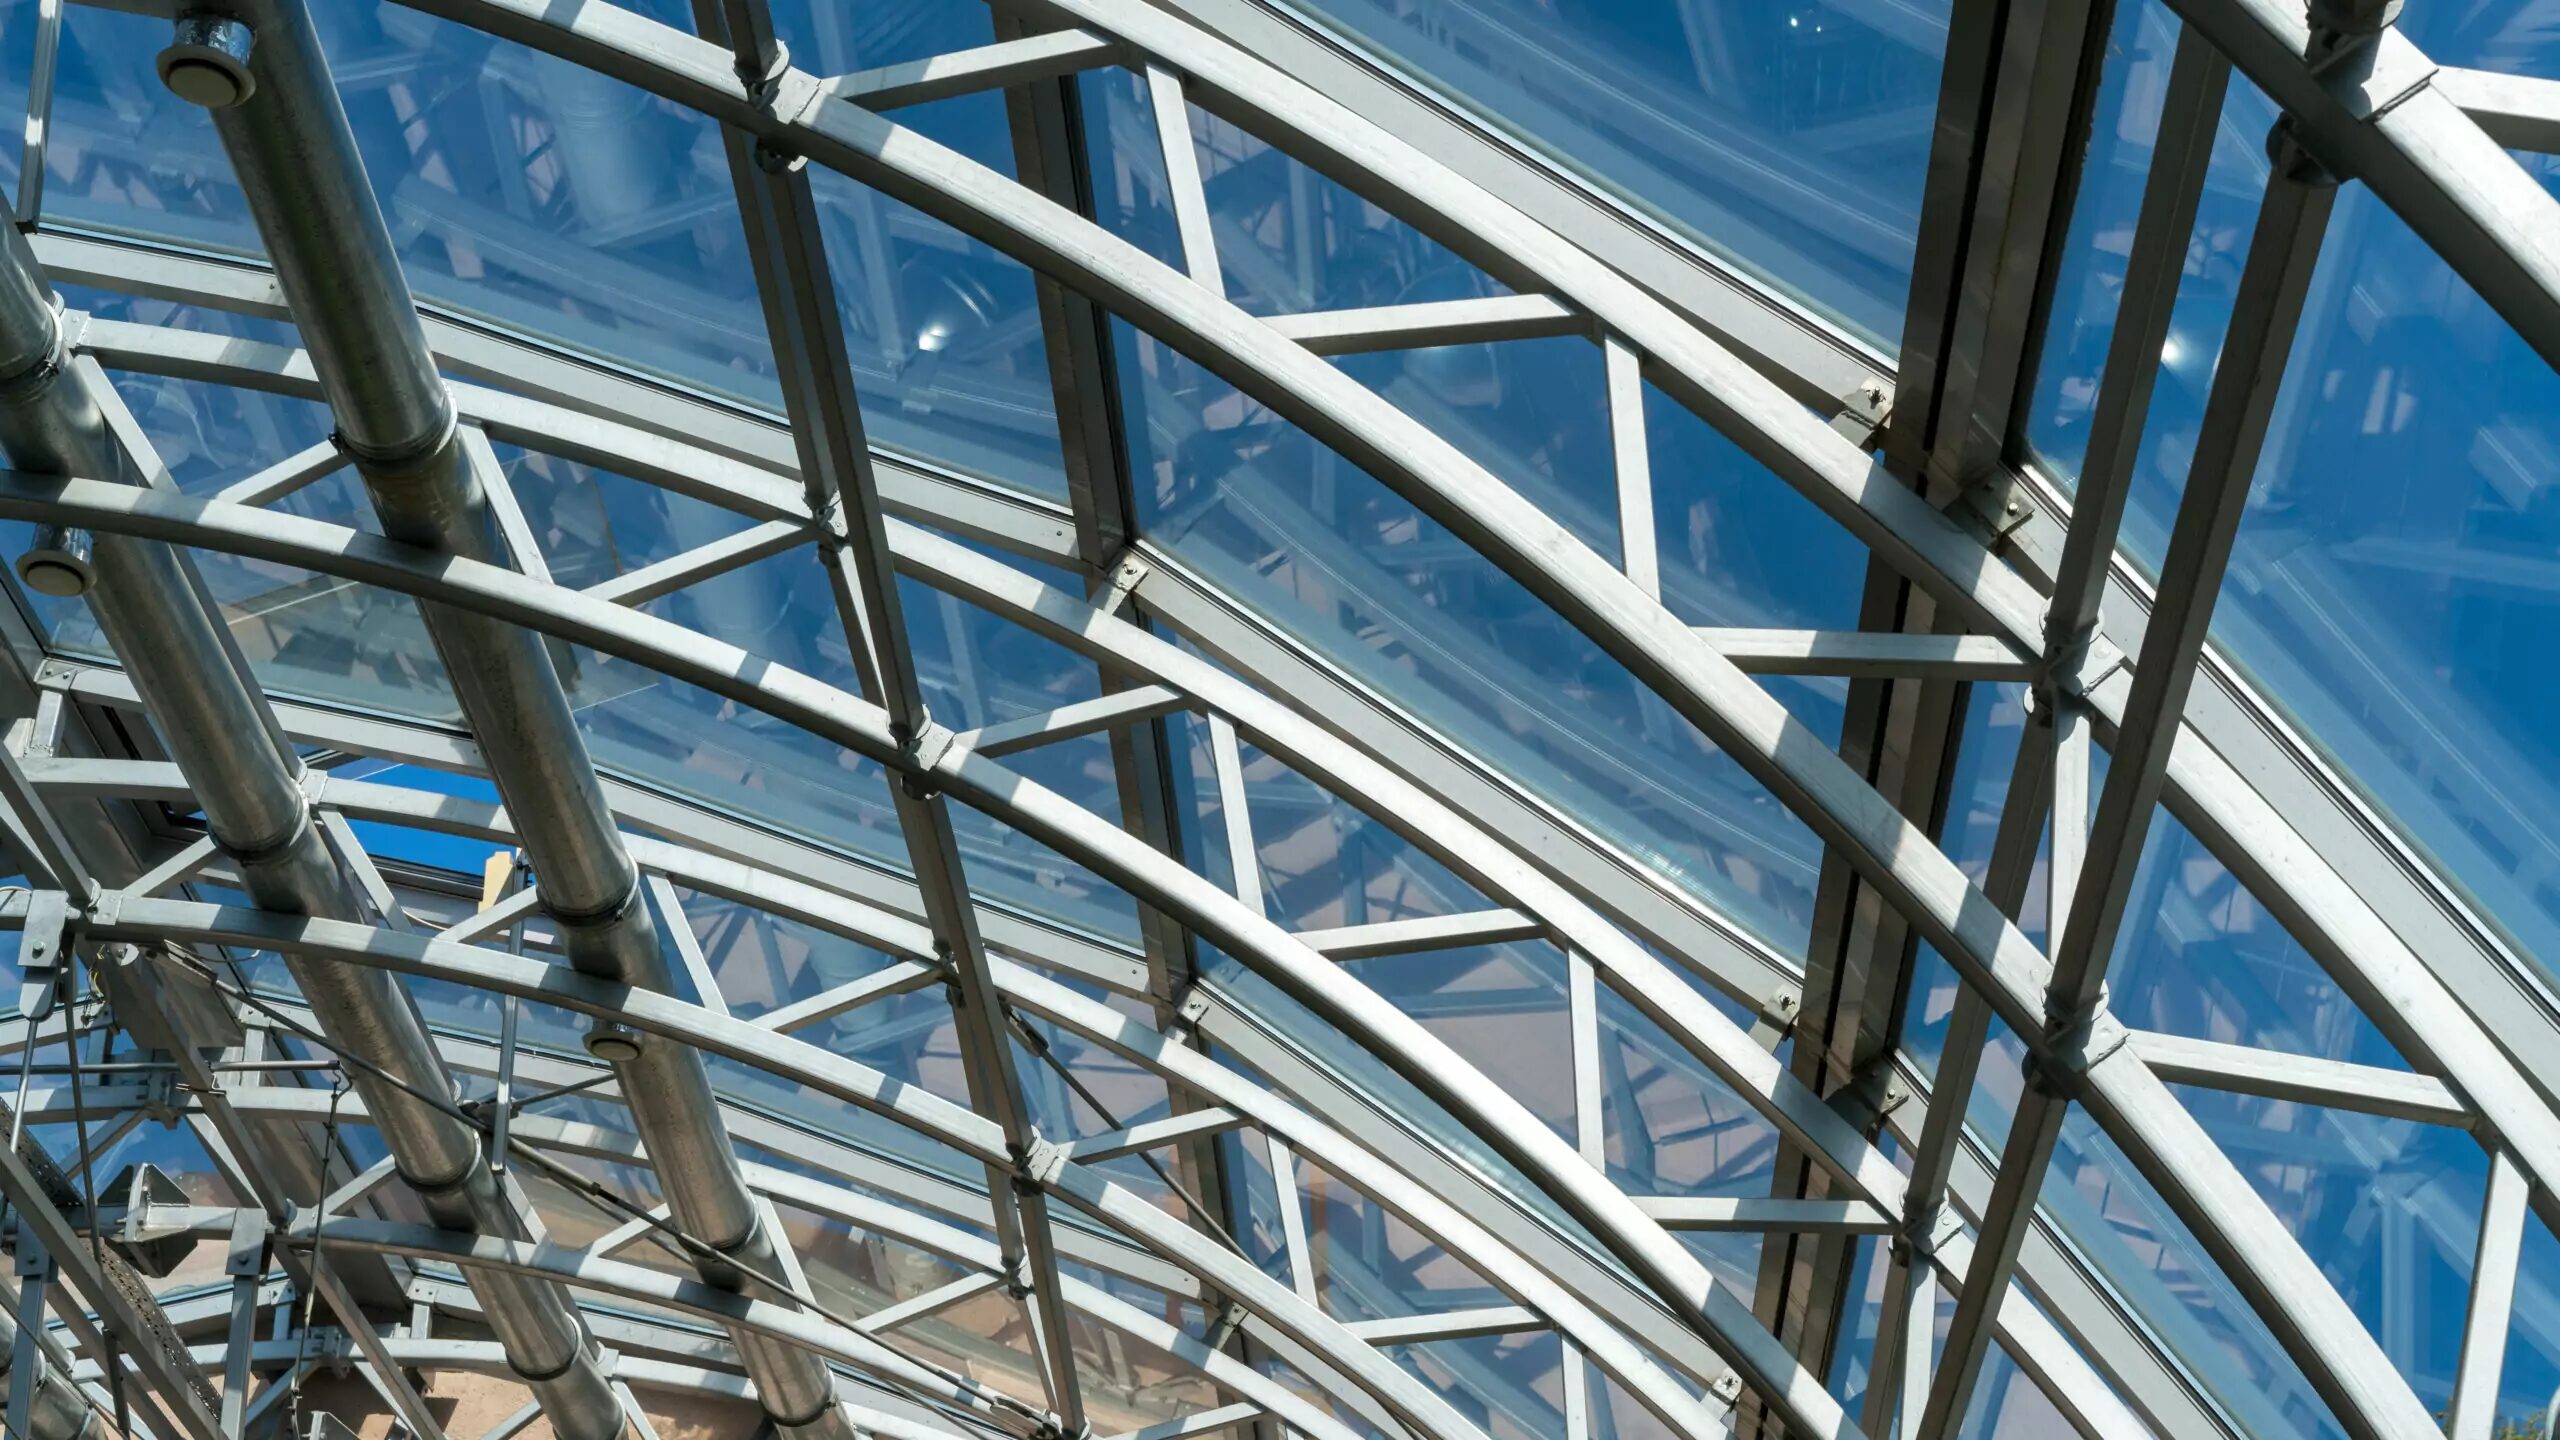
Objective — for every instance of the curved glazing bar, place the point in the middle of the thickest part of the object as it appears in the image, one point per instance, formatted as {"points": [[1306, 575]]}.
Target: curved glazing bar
{"points": [[2225, 787], [1792, 140], [2233, 1222], [2396, 131]]}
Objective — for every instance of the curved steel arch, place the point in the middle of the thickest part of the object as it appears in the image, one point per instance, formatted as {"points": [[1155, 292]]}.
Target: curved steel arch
{"points": [[1675, 663], [1111, 1028], [1950, 912], [854, 1207], [849, 721], [2410, 982], [1377, 1176], [2182, 1160]]}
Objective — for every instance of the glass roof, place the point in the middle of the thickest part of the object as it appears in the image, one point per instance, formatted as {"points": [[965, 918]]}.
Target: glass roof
{"points": [[1065, 728]]}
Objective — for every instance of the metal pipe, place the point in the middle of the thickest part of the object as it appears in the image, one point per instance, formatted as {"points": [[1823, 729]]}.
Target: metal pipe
{"points": [[250, 785], [298, 165]]}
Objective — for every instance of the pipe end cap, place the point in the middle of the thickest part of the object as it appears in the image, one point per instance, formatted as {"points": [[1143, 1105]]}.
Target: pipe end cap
{"points": [[207, 63], [612, 1043], [57, 562]]}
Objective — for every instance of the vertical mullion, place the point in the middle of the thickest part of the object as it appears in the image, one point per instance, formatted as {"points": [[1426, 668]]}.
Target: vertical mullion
{"points": [[786, 243], [2493, 1295], [2283, 249], [1189, 197], [1640, 558], [1235, 809]]}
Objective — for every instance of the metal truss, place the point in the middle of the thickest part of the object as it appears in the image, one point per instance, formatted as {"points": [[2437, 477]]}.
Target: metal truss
{"points": [[1052, 1221]]}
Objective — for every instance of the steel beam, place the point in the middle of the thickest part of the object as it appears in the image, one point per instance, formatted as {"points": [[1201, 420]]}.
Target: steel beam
{"points": [[432, 486], [793, 276], [152, 608], [988, 67], [2292, 221]]}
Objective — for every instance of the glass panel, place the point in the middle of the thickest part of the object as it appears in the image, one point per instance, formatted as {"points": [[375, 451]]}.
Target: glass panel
{"points": [[2200, 956], [1288, 239], [1346, 565], [303, 633], [2389, 1209], [2387, 584], [1791, 139], [2128, 1232], [551, 199], [1501, 1007], [2511, 36], [763, 962], [1506, 1384], [1323, 862], [2529, 1384]]}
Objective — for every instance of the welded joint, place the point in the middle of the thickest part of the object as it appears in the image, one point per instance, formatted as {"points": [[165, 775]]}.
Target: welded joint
{"points": [[2295, 164], [2075, 1044], [1040, 1164], [39, 372], [762, 85], [2344, 29], [2078, 665]]}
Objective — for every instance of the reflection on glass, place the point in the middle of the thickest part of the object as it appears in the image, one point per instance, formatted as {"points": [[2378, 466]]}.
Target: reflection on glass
{"points": [[1332, 556], [2130, 1235], [1501, 1007], [1789, 138], [2388, 584], [1323, 862], [1288, 239], [542, 195], [2389, 1209], [302, 633]]}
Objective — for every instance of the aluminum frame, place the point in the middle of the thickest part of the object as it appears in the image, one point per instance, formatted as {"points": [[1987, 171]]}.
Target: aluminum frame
{"points": [[2380, 120]]}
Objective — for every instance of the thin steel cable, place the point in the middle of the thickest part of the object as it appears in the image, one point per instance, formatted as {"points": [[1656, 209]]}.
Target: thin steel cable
{"points": [[89, 1198], [1039, 1045], [328, 1147]]}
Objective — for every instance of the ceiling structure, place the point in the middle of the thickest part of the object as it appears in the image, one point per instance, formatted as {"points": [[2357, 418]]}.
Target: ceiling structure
{"points": [[1455, 719]]}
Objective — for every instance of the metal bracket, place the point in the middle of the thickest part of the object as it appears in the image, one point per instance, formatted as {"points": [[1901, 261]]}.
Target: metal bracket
{"points": [[2079, 1044], [1870, 1095], [1229, 1321], [1128, 572], [932, 742], [2080, 667], [161, 1100], [2001, 502], [1864, 412], [1041, 1164], [41, 945], [1777, 1016]]}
